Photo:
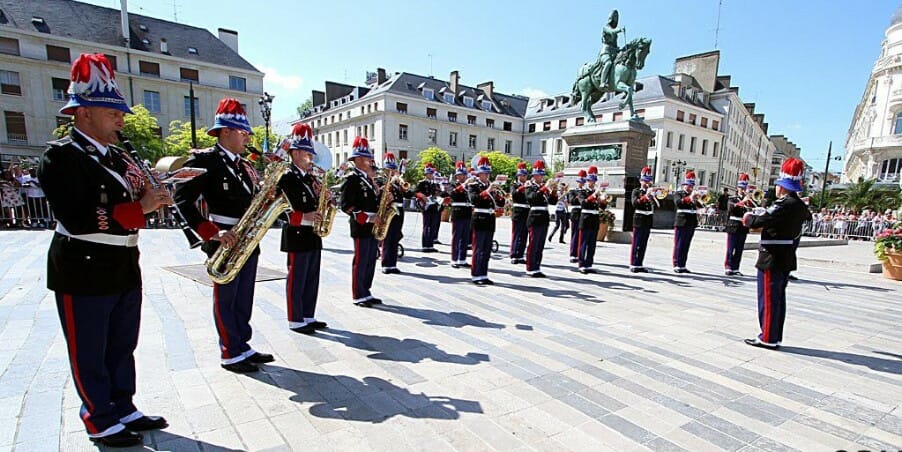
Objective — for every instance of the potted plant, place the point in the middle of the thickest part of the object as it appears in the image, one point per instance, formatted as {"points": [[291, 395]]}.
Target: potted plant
{"points": [[605, 222], [888, 249]]}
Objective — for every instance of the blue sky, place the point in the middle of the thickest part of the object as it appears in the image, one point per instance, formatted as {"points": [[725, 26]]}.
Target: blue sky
{"points": [[803, 62]]}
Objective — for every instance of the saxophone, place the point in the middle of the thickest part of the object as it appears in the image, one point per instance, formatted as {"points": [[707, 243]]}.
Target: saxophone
{"points": [[386, 210], [326, 208], [223, 266]]}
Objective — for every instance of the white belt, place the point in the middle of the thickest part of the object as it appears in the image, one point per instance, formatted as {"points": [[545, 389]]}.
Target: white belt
{"points": [[522, 206], [545, 208], [479, 210], [306, 222], [460, 204], [645, 212], [398, 204], [777, 242], [686, 211], [221, 219], [130, 240], [574, 208], [589, 212], [736, 218]]}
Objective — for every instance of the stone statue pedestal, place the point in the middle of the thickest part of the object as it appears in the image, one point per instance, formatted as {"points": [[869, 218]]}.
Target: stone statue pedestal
{"points": [[620, 151]]}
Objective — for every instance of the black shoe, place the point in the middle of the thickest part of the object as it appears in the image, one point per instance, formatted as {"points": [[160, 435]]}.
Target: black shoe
{"points": [[241, 367], [430, 250], [561, 241], [573, 260], [147, 423], [521, 261], [390, 271], [364, 303], [792, 277], [316, 324], [757, 343], [642, 270], [125, 438], [260, 358], [375, 301], [306, 329], [455, 265], [550, 238], [634, 270], [538, 275], [436, 242], [465, 265]]}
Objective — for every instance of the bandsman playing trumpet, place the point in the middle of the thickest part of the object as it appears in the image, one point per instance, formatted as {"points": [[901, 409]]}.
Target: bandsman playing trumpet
{"points": [[400, 191], [519, 215], [589, 222], [737, 206], [487, 199], [643, 200], [539, 196], [461, 214], [685, 222], [575, 198]]}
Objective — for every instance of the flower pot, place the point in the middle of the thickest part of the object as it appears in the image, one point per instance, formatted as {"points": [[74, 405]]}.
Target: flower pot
{"points": [[892, 266], [602, 232]]}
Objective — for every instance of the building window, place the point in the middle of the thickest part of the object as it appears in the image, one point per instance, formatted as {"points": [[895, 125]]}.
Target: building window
{"points": [[691, 144], [472, 142], [402, 131], [192, 50], [711, 178], [529, 148], [344, 137], [890, 170], [580, 120], [680, 142], [640, 113], [704, 147], [715, 125], [508, 126], [490, 144], [237, 83], [468, 101], [666, 170], [680, 115], [692, 119], [432, 135], [448, 98], [897, 129], [340, 116], [187, 105], [452, 116], [329, 140], [471, 120], [508, 144], [15, 127], [430, 113], [9, 83], [532, 128], [544, 147], [618, 115], [189, 75], [152, 101], [486, 105], [402, 155], [558, 146], [55, 53], [452, 139], [149, 69], [714, 149], [429, 93], [669, 142], [113, 61], [599, 117], [401, 107], [704, 122], [546, 126], [701, 177], [490, 123], [9, 46], [562, 124]]}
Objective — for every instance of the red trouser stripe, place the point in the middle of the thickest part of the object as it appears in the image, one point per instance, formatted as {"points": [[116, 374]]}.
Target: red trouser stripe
{"points": [[73, 358], [473, 257], [220, 327], [290, 286], [354, 268], [765, 326]]}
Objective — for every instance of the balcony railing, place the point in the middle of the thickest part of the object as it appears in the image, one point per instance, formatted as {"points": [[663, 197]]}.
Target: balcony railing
{"points": [[17, 138]]}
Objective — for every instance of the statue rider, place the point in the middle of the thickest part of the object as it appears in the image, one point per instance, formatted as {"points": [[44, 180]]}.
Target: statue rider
{"points": [[609, 47]]}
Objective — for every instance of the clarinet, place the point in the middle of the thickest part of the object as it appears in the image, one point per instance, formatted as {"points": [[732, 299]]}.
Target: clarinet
{"points": [[194, 240]]}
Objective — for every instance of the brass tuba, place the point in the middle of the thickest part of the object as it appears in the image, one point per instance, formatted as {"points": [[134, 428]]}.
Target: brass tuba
{"points": [[223, 266]]}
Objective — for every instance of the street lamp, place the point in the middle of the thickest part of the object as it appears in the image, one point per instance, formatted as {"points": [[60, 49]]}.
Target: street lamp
{"points": [[826, 173], [677, 167], [266, 109]]}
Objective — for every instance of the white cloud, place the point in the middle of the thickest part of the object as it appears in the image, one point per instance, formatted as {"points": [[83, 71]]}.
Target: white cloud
{"points": [[273, 78], [533, 93]]}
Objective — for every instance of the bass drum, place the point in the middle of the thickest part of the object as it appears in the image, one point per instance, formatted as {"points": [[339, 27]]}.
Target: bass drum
{"points": [[323, 157]]}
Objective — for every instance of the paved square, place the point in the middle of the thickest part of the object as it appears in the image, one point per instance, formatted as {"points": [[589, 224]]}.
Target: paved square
{"points": [[611, 361]]}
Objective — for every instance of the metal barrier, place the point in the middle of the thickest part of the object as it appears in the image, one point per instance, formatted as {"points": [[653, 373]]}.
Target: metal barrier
{"points": [[712, 221], [845, 229], [23, 211]]}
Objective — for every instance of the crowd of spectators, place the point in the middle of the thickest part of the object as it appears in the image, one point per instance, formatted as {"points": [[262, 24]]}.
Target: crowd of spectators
{"points": [[842, 223], [22, 199]]}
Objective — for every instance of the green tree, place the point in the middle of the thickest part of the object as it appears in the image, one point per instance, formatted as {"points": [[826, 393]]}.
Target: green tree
{"points": [[439, 158], [259, 134], [502, 164], [179, 140], [306, 105], [141, 129]]}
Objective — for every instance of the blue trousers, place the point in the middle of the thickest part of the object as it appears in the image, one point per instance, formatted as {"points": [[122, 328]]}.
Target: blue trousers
{"points": [[460, 240], [363, 268], [682, 238], [587, 244], [302, 286], [536, 247], [574, 235], [101, 335], [391, 241], [436, 225], [232, 306], [735, 246], [431, 219], [638, 246], [771, 304], [518, 239], [482, 251]]}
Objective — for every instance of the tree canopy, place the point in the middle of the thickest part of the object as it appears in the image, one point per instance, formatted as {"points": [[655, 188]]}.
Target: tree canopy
{"points": [[439, 158]]}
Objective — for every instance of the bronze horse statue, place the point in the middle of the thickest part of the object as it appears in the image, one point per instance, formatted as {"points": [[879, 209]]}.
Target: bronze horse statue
{"points": [[589, 86]]}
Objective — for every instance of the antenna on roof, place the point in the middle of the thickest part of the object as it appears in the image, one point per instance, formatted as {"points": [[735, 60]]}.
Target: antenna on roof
{"points": [[175, 11], [430, 64], [717, 27]]}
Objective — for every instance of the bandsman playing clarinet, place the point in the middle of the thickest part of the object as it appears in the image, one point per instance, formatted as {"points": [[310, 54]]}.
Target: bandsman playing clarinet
{"points": [[643, 218], [394, 235], [461, 213], [737, 206], [592, 206], [575, 197], [360, 200], [539, 196], [519, 214], [486, 202], [427, 193], [687, 205]]}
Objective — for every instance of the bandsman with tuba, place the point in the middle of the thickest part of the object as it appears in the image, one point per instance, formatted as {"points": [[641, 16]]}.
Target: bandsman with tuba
{"points": [[400, 191], [643, 218], [461, 213], [487, 199], [303, 245], [737, 206], [360, 200], [228, 187]]}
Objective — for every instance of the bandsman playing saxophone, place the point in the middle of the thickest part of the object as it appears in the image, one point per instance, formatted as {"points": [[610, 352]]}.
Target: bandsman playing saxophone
{"points": [[303, 245], [400, 191], [360, 199]]}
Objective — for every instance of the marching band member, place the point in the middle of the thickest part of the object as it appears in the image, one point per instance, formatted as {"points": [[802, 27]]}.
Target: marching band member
{"points": [[393, 235], [575, 199], [228, 187], [461, 214], [781, 224], [485, 202], [561, 218], [427, 192], [539, 197], [643, 217], [519, 214], [360, 200], [737, 206], [685, 222], [588, 226], [99, 199], [303, 246]]}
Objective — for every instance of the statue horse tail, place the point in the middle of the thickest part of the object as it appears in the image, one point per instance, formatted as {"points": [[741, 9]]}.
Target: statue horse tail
{"points": [[575, 95]]}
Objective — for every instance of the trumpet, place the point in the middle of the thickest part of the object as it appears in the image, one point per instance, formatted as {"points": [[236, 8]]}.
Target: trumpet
{"points": [[659, 193]]}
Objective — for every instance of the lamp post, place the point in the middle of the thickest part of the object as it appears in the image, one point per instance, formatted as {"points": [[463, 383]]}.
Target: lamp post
{"points": [[678, 166], [826, 174], [266, 110]]}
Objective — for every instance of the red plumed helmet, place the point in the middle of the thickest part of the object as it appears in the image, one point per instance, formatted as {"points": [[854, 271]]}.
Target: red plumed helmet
{"points": [[460, 164], [593, 170], [483, 161], [646, 170], [690, 174], [389, 156], [581, 173], [743, 177], [302, 130], [230, 106], [521, 165], [361, 142], [539, 164], [792, 169]]}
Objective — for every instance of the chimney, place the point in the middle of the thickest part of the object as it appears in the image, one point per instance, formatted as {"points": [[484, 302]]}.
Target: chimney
{"points": [[229, 37], [123, 6], [164, 47], [380, 76], [487, 88], [454, 81]]}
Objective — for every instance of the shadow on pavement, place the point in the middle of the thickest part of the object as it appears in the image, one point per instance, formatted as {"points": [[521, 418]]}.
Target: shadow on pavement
{"points": [[161, 440], [892, 366], [400, 350], [838, 285], [438, 318]]}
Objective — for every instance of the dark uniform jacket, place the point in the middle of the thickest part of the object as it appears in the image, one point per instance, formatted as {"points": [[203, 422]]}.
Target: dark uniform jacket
{"points": [[735, 211], [428, 192], [480, 198], [781, 225], [642, 202], [536, 196], [86, 198], [518, 196], [301, 191], [460, 203], [227, 187], [359, 199], [587, 219], [575, 197], [684, 202], [399, 195]]}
